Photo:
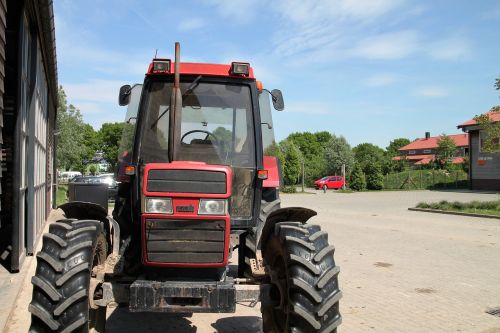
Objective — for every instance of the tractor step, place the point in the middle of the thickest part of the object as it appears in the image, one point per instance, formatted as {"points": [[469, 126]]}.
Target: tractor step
{"points": [[182, 296]]}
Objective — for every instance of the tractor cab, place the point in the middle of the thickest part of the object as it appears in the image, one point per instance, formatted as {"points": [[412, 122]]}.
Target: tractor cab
{"points": [[224, 119]]}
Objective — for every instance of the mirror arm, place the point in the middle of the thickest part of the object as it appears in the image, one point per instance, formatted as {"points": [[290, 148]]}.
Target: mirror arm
{"points": [[270, 93]]}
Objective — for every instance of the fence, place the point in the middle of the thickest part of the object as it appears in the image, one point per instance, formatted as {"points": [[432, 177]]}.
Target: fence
{"points": [[426, 179]]}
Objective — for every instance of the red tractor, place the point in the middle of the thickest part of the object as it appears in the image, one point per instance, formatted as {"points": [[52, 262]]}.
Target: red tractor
{"points": [[198, 181]]}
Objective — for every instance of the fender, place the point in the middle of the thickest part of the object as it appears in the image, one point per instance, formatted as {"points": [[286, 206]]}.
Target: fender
{"points": [[81, 210], [84, 210], [288, 214]]}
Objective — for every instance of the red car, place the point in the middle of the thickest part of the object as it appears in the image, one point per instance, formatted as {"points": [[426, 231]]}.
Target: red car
{"points": [[334, 182]]}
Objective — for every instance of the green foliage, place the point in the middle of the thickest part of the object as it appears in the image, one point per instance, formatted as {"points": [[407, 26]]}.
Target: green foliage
{"points": [[288, 189], [292, 158], [110, 136], [445, 151], [337, 153], [357, 179], [367, 154], [374, 177], [479, 207], [72, 147], [393, 148], [490, 131], [312, 147], [426, 179], [91, 142], [92, 169], [497, 83]]}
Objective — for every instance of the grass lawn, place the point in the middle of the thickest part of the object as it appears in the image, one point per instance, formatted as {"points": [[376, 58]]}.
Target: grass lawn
{"points": [[61, 195], [476, 207]]}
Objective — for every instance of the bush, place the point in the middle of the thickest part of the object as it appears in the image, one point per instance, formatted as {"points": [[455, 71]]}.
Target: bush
{"points": [[357, 180], [288, 189], [374, 177]]}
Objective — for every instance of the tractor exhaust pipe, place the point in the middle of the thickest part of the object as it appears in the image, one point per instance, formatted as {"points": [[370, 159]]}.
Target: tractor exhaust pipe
{"points": [[177, 65], [176, 105]]}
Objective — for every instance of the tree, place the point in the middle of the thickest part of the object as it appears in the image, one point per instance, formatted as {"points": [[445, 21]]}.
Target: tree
{"points": [[393, 148], [497, 83], [71, 146], [93, 169], [367, 154], [391, 151], [292, 157], [357, 179], [337, 153], [312, 148], [91, 142], [374, 177], [446, 150], [110, 136]]}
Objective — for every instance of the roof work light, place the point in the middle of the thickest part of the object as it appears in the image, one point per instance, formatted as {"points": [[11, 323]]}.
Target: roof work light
{"points": [[240, 68], [161, 66]]}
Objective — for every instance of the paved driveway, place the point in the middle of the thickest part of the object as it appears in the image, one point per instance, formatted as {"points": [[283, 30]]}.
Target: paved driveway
{"points": [[401, 271]]}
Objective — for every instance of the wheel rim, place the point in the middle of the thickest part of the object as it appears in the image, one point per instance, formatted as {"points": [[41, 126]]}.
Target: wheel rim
{"points": [[279, 294]]}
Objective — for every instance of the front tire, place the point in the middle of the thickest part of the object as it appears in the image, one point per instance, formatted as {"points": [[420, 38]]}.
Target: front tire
{"points": [[61, 285], [304, 285]]}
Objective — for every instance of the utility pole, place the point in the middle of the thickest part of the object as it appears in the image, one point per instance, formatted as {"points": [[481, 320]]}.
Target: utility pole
{"points": [[343, 176]]}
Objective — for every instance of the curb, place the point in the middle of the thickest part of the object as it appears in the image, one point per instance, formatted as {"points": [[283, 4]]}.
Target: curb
{"points": [[439, 211]]}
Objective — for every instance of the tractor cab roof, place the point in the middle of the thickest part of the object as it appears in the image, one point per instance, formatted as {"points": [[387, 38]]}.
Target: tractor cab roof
{"points": [[239, 70]]}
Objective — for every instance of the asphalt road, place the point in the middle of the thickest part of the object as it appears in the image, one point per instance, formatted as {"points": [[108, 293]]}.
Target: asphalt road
{"points": [[401, 271]]}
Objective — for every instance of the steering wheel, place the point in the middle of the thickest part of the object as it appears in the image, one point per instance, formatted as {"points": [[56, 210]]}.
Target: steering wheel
{"points": [[200, 131]]}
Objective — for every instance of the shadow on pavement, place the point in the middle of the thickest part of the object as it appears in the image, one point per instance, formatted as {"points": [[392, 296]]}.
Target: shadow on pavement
{"points": [[123, 321], [250, 324]]}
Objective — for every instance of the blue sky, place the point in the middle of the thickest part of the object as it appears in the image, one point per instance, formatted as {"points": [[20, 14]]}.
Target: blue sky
{"points": [[370, 70]]}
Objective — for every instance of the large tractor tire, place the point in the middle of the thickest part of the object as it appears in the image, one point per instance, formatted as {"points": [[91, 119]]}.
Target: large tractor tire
{"points": [[248, 244], [72, 250], [304, 285]]}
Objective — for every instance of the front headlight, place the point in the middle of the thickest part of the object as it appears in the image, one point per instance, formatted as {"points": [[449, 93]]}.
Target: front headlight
{"points": [[212, 207], [159, 206]]}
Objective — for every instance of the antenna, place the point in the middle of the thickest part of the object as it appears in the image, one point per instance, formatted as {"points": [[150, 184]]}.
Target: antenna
{"points": [[156, 53]]}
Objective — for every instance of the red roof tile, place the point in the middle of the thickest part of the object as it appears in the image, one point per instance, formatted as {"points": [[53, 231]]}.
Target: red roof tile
{"points": [[413, 157], [424, 161], [494, 116], [461, 140]]}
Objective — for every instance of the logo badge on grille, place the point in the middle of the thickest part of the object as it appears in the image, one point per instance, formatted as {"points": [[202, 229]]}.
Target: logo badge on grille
{"points": [[185, 209]]}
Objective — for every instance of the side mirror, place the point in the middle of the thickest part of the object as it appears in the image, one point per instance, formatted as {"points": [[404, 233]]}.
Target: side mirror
{"points": [[277, 97], [124, 97]]}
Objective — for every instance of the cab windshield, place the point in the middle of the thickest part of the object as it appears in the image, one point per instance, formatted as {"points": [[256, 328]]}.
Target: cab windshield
{"points": [[215, 125]]}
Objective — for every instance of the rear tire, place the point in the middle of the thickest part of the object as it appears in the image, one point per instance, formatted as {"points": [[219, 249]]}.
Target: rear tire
{"points": [[304, 293], [60, 302]]}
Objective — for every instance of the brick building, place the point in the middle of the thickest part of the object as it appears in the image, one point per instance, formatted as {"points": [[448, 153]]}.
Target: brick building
{"points": [[423, 150]]}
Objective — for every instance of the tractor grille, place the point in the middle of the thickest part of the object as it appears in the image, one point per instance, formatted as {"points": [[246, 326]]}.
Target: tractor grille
{"points": [[185, 241], [187, 181]]}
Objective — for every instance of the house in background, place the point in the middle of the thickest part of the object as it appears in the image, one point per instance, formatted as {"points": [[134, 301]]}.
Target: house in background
{"points": [[28, 106], [423, 151], [484, 168]]}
